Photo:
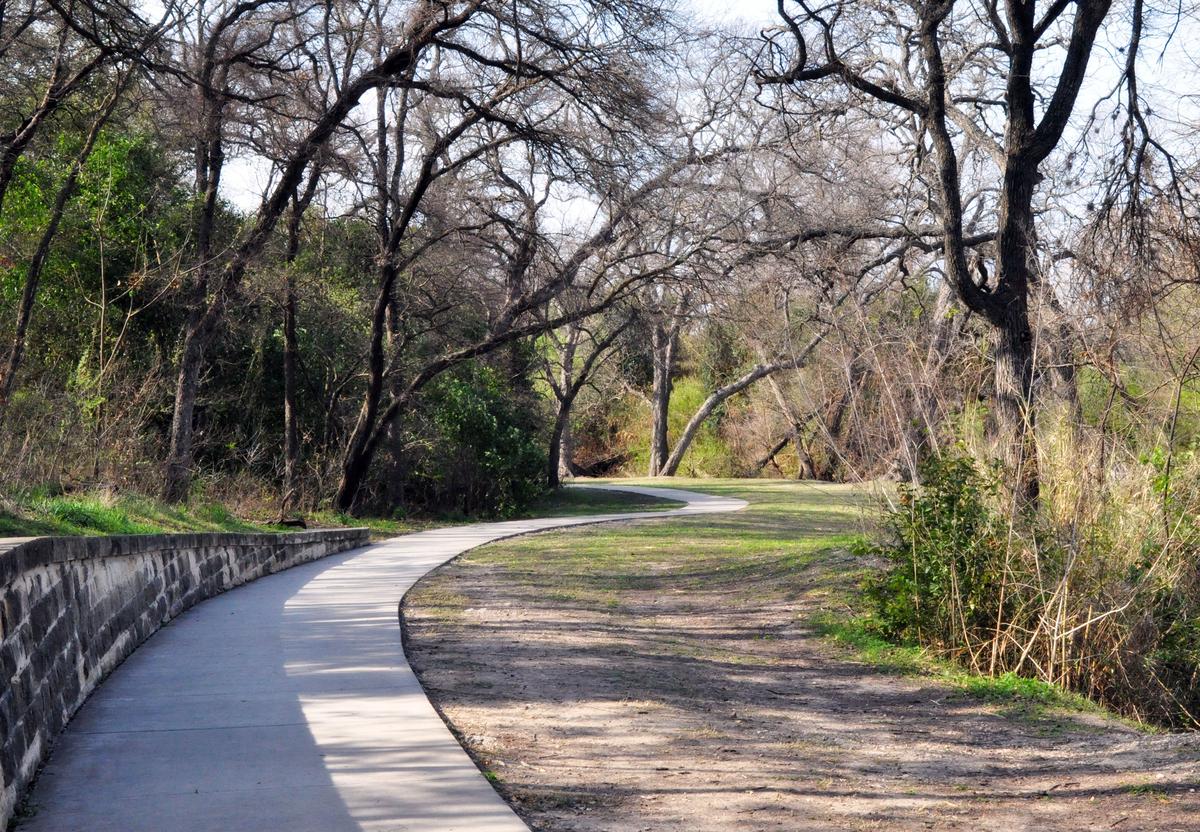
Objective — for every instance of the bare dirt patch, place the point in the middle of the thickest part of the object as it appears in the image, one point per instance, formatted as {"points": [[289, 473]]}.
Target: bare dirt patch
{"points": [[642, 677]]}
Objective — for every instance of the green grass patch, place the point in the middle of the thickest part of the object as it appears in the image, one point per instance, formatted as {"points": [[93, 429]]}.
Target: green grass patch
{"points": [[34, 515], [575, 501], [1145, 789], [869, 647], [1018, 695], [754, 554], [380, 527], [37, 513]]}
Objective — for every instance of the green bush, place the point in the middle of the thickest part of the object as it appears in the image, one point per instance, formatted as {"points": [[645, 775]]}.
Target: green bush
{"points": [[1107, 606], [481, 452], [946, 556]]}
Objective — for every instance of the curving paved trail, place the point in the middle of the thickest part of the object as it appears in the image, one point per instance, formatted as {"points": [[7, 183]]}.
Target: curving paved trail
{"points": [[287, 705]]}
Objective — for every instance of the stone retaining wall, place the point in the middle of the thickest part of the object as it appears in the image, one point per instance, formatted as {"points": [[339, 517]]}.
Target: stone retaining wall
{"points": [[73, 608]]}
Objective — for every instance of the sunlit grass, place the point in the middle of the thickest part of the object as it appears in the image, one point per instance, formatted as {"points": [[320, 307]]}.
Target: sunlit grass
{"points": [[36, 513], [1019, 695], [763, 550]]}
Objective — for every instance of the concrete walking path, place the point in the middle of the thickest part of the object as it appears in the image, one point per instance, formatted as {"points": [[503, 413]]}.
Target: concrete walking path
{"points": [[287, 705]]}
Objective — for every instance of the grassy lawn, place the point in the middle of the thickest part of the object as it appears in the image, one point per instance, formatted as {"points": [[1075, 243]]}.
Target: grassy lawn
{"points": [[786, 526], [34, 514], [765, 552]]}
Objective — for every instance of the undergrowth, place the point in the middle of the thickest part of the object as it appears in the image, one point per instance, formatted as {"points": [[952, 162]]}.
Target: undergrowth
{"points": [[1103, 601], [1018, 694]]}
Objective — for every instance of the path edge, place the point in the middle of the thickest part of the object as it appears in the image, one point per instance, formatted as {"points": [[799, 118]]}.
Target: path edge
{"points": [[570, 522]]}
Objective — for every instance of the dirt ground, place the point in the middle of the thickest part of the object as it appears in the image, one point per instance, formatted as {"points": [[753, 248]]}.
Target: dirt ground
{"points": [[698, 699]]}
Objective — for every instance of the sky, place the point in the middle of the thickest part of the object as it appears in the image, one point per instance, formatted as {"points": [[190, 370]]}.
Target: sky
{"points": [[755, 12], [245, 179]]}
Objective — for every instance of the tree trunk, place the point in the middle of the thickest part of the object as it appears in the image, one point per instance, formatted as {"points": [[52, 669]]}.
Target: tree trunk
{"points": [[355, 464], [769, 457], [398, 470], [566, 450], [559, 445], [291, 429], [571, 377], [1066, 381], [178, 477], [564, 394], [562, 447], [805, 470], [663, 344], [209, 162], [291, 348], [804, 465], [357, 458], [1014, 412], [33, 274], [1014, 359]]}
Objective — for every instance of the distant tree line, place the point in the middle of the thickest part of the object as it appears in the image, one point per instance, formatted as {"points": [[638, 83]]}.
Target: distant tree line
{"points": [[389, 255]]}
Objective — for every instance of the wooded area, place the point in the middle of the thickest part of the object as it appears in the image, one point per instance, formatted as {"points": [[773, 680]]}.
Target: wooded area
{"points": [[422, 256]]}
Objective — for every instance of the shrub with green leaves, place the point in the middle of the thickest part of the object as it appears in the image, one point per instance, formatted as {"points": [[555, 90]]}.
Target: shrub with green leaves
{"points": [[479, 451], [1109, 608], [946, 555]]}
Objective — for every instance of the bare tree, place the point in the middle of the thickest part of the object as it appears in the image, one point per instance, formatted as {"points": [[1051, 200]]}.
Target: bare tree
{"points": [[215, 281], [1001, 79], [550, 123], [604, 267], [579, 349], [291, 347]]}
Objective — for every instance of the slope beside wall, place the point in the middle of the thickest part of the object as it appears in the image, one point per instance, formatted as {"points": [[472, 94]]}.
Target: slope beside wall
{"points": [[73, 608]]}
